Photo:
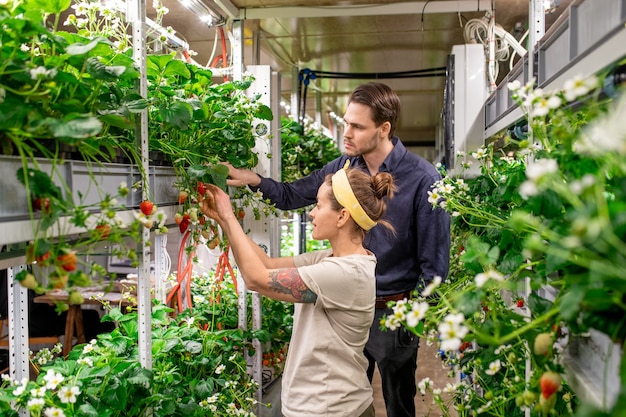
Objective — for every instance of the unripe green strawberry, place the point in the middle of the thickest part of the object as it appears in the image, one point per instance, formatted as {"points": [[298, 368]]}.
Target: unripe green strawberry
{"points": [[75, 298], [550, 382], [123, 189], [193, 214], [28, 280], [543, 343], [547, 404], [80, 279], [528, 397]]}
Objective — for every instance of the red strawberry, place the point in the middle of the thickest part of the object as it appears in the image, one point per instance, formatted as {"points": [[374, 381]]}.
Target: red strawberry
{"points": [[184, 223], [520, 302], [67, 261], [464, 346], [241, 213], [40, 255], [201, 188], [102, 231], [42, 204], [43, 257], [146, 207], [550, 382]]}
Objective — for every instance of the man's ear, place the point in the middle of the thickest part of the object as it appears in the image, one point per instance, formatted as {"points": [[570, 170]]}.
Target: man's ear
{"points": [[385, 129]]}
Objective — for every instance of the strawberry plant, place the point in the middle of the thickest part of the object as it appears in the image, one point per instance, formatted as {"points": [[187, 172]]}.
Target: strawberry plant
{"points": [[543, 218], [304, 150]]}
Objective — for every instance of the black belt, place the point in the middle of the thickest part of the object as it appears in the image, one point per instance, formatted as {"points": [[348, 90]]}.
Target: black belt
{"points": [[381, 302]]}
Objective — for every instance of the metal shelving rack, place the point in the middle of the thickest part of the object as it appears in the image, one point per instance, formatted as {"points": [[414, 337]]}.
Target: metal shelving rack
{"points": [[17, 227], [583, 41], [158, 184]]}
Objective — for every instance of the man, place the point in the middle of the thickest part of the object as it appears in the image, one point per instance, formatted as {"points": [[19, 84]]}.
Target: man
{"points": [[408, 259]]}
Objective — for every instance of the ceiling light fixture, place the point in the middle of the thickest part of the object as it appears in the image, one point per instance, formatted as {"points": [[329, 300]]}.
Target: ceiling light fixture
{"points": [[204, 12]]}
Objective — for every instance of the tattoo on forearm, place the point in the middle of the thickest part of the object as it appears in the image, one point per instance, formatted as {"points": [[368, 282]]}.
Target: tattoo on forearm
{"points": [[288, 281]]}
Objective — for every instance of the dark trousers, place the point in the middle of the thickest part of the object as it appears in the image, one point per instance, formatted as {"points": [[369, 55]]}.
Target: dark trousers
{"points": [[395, 354]]}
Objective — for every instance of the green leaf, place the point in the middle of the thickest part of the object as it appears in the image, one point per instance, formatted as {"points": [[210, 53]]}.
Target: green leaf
{"points": [[88, 410], [510, 262], [139, 376], [196, 172], [598, 299], [551, 204], [117, 121], [80, 48], [13, 113], [177, 114], [204, 388], [203, 73], [264, 112], [39, 183], [75, 126], [52, 6], [155, 63], [469, 302], [94, 372], [135, 103], [103, 72], [219, 174], [176, 68], [171, 344], [493, 255], [538, 305], [554, 263]]}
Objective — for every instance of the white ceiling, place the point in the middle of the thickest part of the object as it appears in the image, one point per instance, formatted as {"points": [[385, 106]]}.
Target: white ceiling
{"points": [[354, 37]]}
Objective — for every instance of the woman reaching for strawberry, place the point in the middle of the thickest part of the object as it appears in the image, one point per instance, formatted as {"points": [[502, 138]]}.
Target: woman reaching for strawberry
{"points": [[334, 292]]}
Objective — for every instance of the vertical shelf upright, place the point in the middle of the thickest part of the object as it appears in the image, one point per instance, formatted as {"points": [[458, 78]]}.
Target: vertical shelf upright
{"points": [[136, 14]]}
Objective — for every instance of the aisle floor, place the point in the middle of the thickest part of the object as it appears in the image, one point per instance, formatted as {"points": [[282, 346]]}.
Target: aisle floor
{"points": [[428, 365]]}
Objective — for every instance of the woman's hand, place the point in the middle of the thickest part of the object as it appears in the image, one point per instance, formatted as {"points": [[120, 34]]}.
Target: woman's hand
{"points": [[216, 204]]}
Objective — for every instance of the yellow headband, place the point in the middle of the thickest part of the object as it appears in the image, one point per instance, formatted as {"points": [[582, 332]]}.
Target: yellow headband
{"points": [[345, 196]]}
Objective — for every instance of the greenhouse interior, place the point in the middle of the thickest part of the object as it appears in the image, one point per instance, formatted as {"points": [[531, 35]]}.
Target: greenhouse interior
{"points": [[174, 183]]}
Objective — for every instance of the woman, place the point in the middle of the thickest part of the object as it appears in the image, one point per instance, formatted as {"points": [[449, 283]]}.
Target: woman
{"points": [[334, 291]]}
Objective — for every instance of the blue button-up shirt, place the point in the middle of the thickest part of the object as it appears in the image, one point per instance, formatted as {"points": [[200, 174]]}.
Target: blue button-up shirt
{"points": [[420, 248]]}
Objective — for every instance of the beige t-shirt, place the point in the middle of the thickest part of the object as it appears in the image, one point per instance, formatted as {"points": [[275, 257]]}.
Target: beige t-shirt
{"points": [[325, 372]]}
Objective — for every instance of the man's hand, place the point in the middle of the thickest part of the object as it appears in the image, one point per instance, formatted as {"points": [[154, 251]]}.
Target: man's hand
{"points": [[241, 177]]}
